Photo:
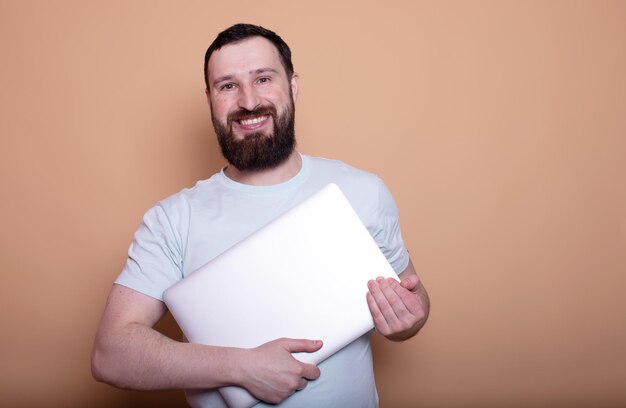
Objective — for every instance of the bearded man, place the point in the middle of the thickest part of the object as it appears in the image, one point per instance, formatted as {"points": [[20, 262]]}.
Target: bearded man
{"points": [[251, 88]]}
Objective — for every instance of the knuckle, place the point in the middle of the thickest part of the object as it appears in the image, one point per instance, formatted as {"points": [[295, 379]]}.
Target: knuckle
{"points": [[384, 331], [283, 396], [395, 302], [406, 325], [293, 383], [299, 371], [316, 373], [384, 307], [378, 320]]}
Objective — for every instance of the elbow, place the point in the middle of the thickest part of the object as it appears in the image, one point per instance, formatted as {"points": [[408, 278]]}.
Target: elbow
{"points": [[103, 368], [98, 371]]}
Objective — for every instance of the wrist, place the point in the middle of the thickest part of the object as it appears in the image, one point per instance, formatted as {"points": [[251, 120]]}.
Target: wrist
{"points": [[235, 365]]}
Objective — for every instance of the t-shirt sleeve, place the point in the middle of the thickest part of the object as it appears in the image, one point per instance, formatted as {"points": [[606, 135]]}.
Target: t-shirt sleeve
{"points": [[154, 257], [388, 235]]}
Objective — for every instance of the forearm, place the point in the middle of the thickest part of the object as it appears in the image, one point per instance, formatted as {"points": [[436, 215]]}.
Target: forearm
{"points": [[129, 353], [138, 357]]}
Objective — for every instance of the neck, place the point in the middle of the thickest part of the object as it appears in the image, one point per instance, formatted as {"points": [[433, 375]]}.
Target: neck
{"points": [[276, 175]]}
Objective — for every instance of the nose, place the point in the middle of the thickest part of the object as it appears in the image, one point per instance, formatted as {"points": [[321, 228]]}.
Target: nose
{"points": [[248, 98]]}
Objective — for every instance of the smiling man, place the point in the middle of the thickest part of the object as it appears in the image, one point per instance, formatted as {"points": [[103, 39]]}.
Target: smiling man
{"points": [[252, 97], [251, 88]]}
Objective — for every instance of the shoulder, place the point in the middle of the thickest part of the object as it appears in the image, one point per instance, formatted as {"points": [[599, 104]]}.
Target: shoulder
{"points": [[179, 207], [342, 172], [365, 190], [192, 196]]}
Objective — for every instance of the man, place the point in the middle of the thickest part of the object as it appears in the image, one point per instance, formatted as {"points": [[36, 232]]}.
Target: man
{"points": [[251, 89]]}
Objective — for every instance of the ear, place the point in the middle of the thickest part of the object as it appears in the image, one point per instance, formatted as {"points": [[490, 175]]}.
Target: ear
{"points": [[294, 86]]}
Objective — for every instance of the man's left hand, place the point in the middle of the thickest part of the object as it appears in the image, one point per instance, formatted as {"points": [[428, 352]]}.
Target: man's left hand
{"points": [[399, 309]]}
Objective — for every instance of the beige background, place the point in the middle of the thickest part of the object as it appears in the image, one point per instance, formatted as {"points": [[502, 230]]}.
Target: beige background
{"points": [[500, 126]]}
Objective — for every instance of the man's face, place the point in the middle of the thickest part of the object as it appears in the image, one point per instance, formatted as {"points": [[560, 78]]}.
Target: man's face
{"points": [[252, 104]]}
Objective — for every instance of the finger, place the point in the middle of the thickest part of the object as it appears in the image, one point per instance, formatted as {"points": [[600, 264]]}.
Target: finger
{"points": [[410, 282], [302, 345], [376, 289], [302, 384], [410, 300], [396, 308], [310, 371], [408, 308], [380, 322], [388, 295], [400, 290]]}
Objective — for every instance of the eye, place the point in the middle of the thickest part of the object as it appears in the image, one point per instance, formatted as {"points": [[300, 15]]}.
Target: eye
{"points": [[264, 80], [227, 86]]}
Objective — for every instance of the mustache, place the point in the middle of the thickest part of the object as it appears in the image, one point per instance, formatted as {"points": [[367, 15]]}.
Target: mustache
{"points": [[243, 114]]}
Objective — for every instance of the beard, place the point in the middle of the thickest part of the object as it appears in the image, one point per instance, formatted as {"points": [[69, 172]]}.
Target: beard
{"points": [[258, 151]]}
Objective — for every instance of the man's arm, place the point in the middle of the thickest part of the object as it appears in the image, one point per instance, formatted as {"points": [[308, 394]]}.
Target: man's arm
{"points": [[399, 309], [129, 353]]}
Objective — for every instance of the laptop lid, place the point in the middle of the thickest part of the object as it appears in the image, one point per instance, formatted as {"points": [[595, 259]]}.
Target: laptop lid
{"points": [[303, 275]]}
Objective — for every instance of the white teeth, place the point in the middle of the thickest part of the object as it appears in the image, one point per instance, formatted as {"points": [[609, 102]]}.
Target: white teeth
{"points": [[252, 121]]}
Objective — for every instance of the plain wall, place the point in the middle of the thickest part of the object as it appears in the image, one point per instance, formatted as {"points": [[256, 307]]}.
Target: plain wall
{"points": [[500, 127]]}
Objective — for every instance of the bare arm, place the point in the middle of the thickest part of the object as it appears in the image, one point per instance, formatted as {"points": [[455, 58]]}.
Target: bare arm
{"points": [[399, 309], [129, 353]]}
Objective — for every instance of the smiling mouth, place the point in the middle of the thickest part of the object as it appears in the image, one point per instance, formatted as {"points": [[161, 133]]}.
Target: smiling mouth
{"points": [[252, 121]]}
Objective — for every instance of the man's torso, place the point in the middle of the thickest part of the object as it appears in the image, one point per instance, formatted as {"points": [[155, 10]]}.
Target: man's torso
{"points": [[190, 228]]}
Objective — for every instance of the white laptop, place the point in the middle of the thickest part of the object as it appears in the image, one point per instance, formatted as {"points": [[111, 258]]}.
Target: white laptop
{"points": [[304, 275]]}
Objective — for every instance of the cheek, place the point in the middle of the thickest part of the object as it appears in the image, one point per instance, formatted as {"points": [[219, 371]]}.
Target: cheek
{"points": [[279, 99], [220, 107]]}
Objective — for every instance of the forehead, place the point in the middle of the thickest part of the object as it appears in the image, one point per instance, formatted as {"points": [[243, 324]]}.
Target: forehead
{"points": [[244, 57]]}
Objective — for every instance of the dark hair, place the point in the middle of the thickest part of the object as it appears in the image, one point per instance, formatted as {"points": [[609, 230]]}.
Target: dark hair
{"points": [[240, 32]]}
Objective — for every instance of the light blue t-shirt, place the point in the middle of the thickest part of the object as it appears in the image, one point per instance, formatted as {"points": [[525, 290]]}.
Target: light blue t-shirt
{"points": [[188, 229]]}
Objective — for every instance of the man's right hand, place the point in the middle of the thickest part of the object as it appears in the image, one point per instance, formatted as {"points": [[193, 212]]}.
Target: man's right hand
{"points": [[273, 374]]}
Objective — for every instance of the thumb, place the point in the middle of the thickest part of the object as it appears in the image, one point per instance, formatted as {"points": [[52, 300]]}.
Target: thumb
{"points": [[410, 282], [302, 345]]}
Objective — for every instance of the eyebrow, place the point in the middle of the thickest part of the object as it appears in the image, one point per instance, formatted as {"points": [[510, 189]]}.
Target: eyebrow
{"points": [[253, 72]]}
